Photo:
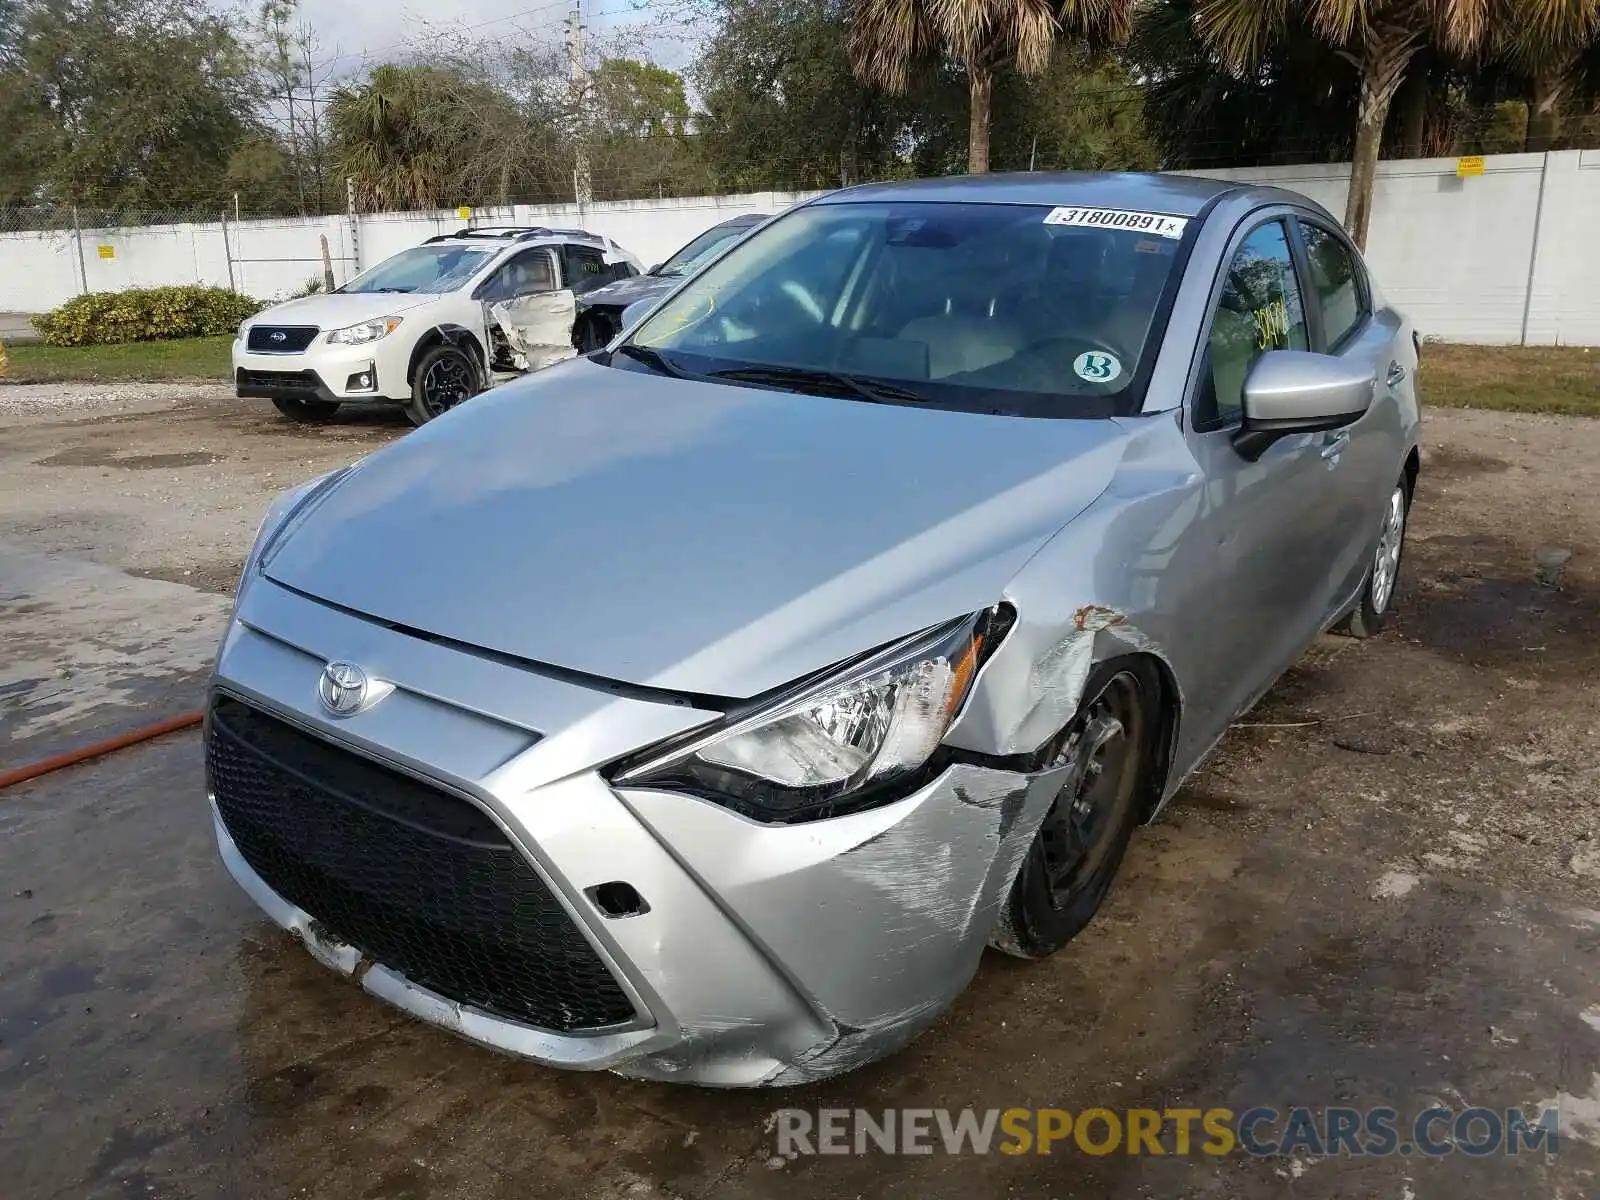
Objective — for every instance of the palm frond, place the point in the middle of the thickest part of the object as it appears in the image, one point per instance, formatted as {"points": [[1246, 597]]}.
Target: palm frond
{"points": [[886, 36], [1240, 30]]}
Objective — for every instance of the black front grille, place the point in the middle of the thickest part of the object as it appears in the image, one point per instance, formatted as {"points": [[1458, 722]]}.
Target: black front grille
{"points": [[280, 339], [290, 382], [419, 880]]}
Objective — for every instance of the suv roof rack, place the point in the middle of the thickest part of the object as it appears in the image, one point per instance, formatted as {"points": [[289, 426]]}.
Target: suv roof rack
{"points": [[518, 233]]}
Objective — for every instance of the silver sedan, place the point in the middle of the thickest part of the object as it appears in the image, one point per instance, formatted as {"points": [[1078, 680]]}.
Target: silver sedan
{"points": [[702, 708]]}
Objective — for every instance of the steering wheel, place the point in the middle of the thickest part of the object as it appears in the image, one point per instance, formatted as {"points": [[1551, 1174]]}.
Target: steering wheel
{"points": [[1090, 360]]}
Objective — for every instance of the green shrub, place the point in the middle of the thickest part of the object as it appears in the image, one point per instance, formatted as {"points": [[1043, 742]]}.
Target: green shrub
{"points": [[144, 315]]}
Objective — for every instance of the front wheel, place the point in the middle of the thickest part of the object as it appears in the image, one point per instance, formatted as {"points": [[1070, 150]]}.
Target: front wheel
{"points": [[306, 412], [446, 376], [1372, 611], [1081, 842]]}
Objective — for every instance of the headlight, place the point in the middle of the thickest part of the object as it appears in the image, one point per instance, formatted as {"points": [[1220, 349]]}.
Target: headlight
{"points": [[367, 331], [843, 743], [239, 334]]}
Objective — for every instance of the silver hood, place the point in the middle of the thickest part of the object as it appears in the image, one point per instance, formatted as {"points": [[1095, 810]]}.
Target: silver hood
{"points": [[696, 537]]}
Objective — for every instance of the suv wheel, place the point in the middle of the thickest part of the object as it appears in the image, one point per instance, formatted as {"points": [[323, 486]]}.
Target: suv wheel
{"points": [[445, 377], [307, 412]]}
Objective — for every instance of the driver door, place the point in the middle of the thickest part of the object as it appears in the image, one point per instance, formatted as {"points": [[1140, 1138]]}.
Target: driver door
{"points": [[1264, 535]]}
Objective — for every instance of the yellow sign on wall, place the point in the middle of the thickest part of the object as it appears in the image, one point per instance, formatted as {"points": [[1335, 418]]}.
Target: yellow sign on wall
{"points": [[106, 251], [1471, 164], [464, 213]]}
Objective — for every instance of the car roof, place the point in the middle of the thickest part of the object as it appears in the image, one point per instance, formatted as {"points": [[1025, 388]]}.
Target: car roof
{"points": [[741, 219], [520, 235], [1177, 195]]}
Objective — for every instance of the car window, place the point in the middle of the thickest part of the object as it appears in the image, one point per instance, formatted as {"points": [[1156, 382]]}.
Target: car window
{"points": [[432, 269], [1260, 309], [1018, 308], [1336, 280], [687, 260], [526, 274], [585, 268]]}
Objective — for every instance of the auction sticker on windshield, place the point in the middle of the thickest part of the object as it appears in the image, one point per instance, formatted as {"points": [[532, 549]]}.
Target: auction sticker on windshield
{"points": [[1119, 218]]}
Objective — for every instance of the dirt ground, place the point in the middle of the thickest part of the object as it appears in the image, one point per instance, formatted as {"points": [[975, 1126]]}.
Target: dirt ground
{"points": [[1384, 889]]}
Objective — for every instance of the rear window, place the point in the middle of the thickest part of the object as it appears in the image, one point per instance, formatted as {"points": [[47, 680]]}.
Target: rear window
{"points": [[1003, 305], [1337, 281]]}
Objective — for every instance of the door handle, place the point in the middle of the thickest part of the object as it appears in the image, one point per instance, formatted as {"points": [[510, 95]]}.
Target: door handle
{"points": [[1334, 445], [1397, 374]]}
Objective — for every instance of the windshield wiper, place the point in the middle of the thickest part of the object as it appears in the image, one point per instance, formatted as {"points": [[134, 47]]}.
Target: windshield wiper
{"points": [[805, 379], [650, 358]]}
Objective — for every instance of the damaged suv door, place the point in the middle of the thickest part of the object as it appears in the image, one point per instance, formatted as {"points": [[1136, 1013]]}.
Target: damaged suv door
{"points": [[527, 314]]}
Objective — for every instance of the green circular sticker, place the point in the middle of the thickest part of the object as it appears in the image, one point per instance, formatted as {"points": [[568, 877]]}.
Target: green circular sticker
{"points": [[1096, 366]]}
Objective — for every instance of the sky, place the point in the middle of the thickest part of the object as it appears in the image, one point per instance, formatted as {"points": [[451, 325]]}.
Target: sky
{"points": [[347, 33]]}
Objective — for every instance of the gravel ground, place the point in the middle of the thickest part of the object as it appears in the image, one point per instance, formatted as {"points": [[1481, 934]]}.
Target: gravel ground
{"points": [[168, 481]]}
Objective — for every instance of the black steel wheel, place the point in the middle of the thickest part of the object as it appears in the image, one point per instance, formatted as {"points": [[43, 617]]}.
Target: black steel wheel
{"points": [[445, 377], [1085, 833], [307, 412]]}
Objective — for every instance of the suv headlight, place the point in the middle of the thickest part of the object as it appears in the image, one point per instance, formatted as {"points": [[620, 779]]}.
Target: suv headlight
{"points": [[367, 331], [859, 737]]}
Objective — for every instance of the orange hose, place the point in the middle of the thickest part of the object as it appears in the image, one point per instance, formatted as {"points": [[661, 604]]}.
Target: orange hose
{"points": [[46, 765]]}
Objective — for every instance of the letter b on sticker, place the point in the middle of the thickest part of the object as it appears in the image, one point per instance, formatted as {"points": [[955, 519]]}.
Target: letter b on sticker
{"points": [[1094, 366]]}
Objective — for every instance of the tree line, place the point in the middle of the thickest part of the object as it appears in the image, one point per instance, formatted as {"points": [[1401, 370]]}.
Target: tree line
{"points": [[164, 105]]}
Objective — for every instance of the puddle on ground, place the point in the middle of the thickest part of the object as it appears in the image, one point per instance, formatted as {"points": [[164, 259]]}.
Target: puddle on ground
{"points": [[97, 456]]}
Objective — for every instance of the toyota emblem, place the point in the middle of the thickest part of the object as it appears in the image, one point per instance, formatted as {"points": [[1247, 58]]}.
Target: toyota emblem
{"points": [[345, 690]]}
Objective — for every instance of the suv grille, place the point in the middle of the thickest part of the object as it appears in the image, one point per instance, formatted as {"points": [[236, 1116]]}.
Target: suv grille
{"points": [[419, 880], [280, 339]]}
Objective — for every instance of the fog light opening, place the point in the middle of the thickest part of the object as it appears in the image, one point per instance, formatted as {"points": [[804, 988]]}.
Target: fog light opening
{"points": [[617, 899], [361, 381]]}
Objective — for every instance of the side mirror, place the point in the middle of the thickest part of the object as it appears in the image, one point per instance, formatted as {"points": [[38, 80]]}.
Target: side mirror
{"points": [[1294, 391], [635, 312], [653, 269]]}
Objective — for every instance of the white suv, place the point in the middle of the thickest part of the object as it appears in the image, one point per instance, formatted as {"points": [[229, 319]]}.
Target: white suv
{"points": [[429, 327]]}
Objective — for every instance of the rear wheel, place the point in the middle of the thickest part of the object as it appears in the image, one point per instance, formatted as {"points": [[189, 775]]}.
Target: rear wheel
{"points": [[1081, 841], [1372, 611], [308, 412], [446, 376]]}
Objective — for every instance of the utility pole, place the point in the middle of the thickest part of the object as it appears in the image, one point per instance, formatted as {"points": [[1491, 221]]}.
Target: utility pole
{"points": [[578, 86], [355, 225]]}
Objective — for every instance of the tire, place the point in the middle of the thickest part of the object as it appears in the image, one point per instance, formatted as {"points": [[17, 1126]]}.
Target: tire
{"points": [[1081, 842], [306, 412], [593, 333], [1373, 610], [445, 377]]}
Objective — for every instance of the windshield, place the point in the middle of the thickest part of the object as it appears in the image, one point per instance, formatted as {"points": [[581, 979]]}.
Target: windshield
{"points": [[685, 261], [432, 269], [1000, 307]]}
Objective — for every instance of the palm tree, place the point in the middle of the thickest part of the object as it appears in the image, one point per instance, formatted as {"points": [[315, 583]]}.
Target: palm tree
{"points": [[888, 36], [1379, 38], [1548, 43]]}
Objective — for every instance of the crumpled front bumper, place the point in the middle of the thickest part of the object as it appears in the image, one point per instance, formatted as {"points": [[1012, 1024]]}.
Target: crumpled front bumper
{"points": [[768, 955]]}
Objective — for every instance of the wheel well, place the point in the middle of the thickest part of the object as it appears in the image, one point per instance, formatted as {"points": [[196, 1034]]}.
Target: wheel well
{"points": [[1169, 706], [443, 335], [1413, 469]]}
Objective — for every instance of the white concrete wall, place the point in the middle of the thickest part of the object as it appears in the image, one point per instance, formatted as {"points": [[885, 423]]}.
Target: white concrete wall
{"points": [[1457, 255], [1511, 256]]}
